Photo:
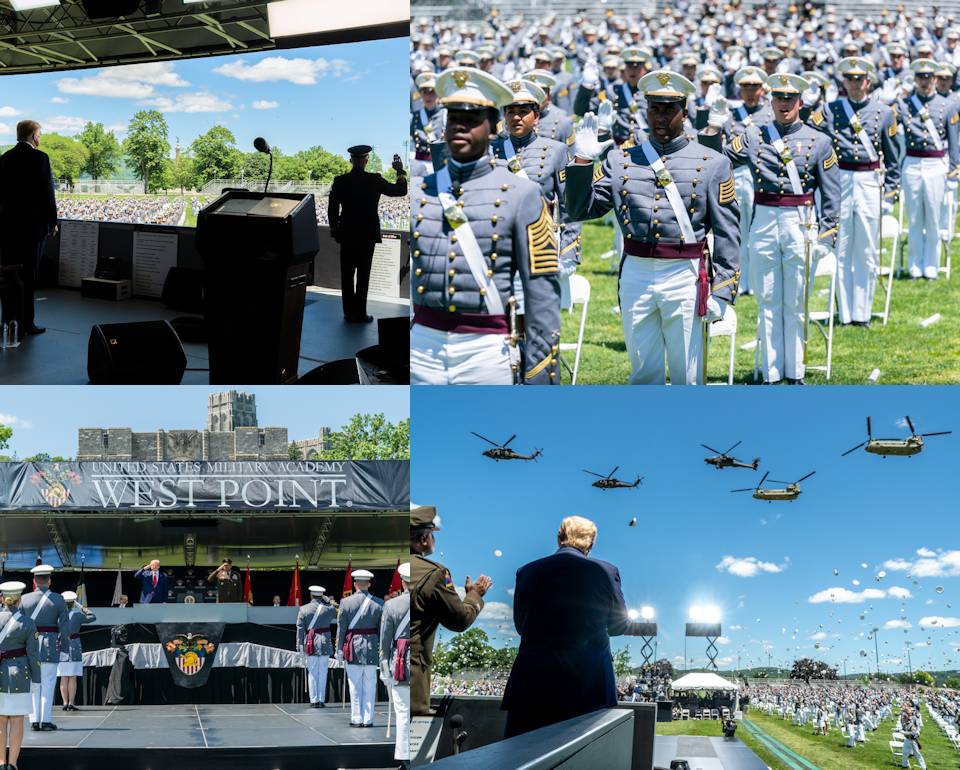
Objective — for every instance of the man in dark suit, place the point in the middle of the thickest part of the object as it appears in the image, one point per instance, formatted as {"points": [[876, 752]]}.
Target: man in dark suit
{"points": [[565, 608], [355, 225], [153, 583], [28, 216]]}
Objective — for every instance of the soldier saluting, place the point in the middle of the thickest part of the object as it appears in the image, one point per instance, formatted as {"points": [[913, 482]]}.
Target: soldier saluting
{"points": [[668, 194], [48, 611], [475, 226]]}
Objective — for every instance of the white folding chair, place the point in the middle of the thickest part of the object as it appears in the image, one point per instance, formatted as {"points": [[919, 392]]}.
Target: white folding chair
{"points": [[889, 228], [823, 319], [945, 259], [727, 327], [579, 295]]}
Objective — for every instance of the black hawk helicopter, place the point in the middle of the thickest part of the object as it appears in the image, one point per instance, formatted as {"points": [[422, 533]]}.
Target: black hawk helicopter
{"points": [[791, 492], [726, 460], [503, 452], [608, 482], [912, 445]]}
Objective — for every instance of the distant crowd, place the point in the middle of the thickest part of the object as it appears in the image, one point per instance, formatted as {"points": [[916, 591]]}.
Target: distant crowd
{"points": [[141, 210]]}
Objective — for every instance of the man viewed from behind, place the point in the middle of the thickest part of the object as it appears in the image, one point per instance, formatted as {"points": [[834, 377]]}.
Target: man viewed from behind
{"points": [[565, 608]]}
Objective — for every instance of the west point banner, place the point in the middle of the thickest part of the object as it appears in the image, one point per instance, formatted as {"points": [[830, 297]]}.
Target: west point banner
{"points": [[295, 485]]}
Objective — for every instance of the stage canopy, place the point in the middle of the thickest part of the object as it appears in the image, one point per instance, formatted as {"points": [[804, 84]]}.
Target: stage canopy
{"points": [[74, 34], [700, 680]]}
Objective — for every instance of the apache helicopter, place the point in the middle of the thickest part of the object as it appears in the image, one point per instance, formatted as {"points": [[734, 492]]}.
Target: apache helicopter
{"points": [[912, 445], [502, 452], [791, 493], [726, 460], [608, 482]]}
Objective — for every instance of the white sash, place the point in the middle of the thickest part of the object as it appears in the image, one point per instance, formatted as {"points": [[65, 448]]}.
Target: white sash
{"points": [[44, 598], [8, 626], [425, 124], [743, 116], [806, 212], [862, 133], [927, 124], [510, 153], [673, 194], [471, 249], [401, 629], [315, 616], [366, 603]]}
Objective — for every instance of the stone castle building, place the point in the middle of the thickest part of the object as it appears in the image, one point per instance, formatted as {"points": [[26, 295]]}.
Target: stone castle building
{"points": [[311, 448], [231, 434]]}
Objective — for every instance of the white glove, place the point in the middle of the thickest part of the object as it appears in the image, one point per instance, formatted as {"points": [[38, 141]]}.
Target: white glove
{"points": [[64, 657], [887, 206], [818, 251], [811, 96], [509, 71], [715, 309], [906, 88], [587, 146], [832, 92], [605, 118], [888, 93], [339, 656], [719, 113], [714, 92], [952, 184], [591, 74]]}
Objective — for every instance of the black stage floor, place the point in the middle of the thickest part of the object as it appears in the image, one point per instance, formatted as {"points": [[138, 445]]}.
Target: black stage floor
{"points": [[272, 737], [705, 753], [59, 357]]}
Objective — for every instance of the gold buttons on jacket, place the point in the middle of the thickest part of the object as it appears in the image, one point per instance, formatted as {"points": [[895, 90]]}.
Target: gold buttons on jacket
{"points": [[420, 290]]}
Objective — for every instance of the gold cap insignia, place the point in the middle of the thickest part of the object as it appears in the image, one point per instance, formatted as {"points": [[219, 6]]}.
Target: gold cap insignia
{"points": [[460, 78], [515, 86], [784, 80], [663, 77]]}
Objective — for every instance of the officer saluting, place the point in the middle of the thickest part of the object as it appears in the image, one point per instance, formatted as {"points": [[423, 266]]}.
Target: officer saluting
{"points": [[433, 596], [19, 670], [668, 194], [315, 622], [395, 660], [476, 225], [48, 610], [790, 161], [864, 134], [933, 150], [358, 634]]}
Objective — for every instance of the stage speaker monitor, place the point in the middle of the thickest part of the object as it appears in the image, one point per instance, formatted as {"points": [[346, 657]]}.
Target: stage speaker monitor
{"points": [[142, 353], [257, 249]]}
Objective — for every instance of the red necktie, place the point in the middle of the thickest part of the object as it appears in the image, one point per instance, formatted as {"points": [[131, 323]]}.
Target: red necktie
{"points": [[154, 579]]}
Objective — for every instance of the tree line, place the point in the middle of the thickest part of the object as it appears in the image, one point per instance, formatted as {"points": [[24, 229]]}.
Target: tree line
{"points": [[146, 150]]}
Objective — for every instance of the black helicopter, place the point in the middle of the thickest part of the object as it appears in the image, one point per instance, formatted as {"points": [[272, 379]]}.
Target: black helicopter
{"points": [[503, 452], [608, 482], [726, 460]]}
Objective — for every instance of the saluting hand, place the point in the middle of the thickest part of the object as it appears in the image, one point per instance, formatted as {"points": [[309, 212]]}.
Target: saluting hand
{"points": [[587, 147], [481, 586], [397, 164]]}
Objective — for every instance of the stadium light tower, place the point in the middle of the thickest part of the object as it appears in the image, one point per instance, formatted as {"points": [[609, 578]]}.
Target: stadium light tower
{"points": [[705, 624], [876, 649], [646, 630]]}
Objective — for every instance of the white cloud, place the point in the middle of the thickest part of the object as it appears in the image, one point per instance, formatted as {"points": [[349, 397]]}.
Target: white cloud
{"points": [[59, 100], [8, 112], [725, 661], [899, 592], [7, 130], [64, 124], [303, 72], [133, 81], [940, 564], [736, 628], [938, 621], [497, 611], [510, 591], [198, 102], [720, 639], [749, 566], [845, 596], [819, 636], [265, 104], [891, 624], [11, 420]]}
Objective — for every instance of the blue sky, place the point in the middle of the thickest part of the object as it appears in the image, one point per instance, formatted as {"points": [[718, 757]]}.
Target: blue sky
{"points": [[45, 418], [768, 566], [334, 96]]}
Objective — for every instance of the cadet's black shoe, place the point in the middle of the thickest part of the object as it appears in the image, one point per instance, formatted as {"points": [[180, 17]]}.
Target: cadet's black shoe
{"points": [[321, 705], [365, 319], [66, 707], [354, 724], [367, 725], [47, 726], [864, 324], [73, 708], [34, 330], [314, 705], [798, 381], [34, 725]]}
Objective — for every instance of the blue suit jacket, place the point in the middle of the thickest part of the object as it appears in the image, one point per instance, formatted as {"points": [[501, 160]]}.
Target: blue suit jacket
{"points": [[149, 594], [566, 607]]}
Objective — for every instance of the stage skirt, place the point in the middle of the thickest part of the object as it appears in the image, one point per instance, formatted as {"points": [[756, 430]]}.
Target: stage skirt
{"points": [[15, 704], [70, 668]]}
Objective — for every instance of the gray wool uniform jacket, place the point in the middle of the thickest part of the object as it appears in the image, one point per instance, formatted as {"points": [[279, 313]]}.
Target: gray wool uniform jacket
{"points": [[53, 614], [75, 619], [362, 643], [17, 674], [394, 611], [323, 624]]}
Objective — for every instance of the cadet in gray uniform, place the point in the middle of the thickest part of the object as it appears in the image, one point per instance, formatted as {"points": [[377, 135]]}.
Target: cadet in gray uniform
{"points": [[790, 161], [554, 122], [668, 194], [475, 225], [315, 622], [19, 671], [358, 632], [630, 124], [72, 669], [864, 134], [933, 152], [48, 611], [395, 660], [426, 125]]}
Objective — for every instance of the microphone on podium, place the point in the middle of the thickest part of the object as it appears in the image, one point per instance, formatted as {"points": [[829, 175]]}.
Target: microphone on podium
{"points": [[261, 145]]}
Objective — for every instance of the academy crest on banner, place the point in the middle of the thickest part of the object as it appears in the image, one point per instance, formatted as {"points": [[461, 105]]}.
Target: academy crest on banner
{"points": [[190, 649]]}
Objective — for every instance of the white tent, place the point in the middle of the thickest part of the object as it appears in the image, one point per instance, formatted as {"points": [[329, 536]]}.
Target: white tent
{"points": [[703, 682]]}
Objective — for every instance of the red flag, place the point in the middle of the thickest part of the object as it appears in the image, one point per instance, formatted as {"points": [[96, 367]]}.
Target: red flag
{"points": [[293, 600], [396, 586], [248, 588], [348, 581]]}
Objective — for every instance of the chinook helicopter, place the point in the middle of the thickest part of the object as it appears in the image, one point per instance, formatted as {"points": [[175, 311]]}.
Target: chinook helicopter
{"points": [[726, 460], [608, 482], [503, 452], [791, 492], [912, 445]]}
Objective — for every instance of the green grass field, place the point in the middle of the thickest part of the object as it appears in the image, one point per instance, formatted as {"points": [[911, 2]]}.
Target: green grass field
{"points": [[828, 752], [902, 351]]}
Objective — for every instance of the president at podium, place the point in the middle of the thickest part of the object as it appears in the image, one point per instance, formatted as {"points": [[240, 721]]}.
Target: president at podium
{"points": [[355, 225]]}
